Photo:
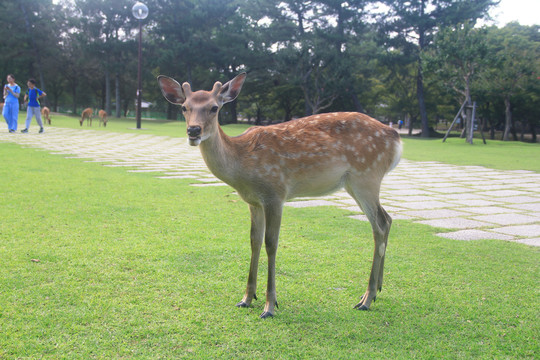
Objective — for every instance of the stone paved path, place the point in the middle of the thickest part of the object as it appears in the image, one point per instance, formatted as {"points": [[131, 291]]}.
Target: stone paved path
{"points": [[472, 202]]}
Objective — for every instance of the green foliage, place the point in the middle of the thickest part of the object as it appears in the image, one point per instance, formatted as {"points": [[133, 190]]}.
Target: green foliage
{"points": [[302, 56]]}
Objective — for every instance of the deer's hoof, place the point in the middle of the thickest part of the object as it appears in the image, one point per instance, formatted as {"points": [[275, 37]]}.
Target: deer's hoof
{"points": [[361, 307], [242, 304], [266, 315]]}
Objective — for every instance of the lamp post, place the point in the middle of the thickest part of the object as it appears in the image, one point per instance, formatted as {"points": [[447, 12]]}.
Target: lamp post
{"points": [[140, 12]]}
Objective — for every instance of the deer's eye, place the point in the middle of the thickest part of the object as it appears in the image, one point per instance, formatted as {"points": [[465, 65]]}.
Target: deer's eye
{"points": [[214, 109], [184, 109]]}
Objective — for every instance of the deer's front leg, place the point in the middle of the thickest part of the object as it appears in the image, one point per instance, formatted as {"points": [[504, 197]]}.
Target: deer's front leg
{"points": [[273, 222], [257, 235]]}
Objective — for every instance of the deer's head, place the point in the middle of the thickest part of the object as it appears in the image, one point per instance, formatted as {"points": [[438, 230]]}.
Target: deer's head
{"points": [[200, 108]]}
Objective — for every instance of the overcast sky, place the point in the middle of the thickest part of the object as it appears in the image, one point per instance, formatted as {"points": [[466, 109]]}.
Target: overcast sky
{"points": [[526, 12]]}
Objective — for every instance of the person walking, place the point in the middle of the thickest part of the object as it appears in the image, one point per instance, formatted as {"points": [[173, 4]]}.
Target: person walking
{"points": [[11, 103], [33, 96]]}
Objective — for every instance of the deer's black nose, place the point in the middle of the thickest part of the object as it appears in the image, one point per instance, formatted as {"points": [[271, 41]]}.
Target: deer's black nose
{"points": [[194, 131]]}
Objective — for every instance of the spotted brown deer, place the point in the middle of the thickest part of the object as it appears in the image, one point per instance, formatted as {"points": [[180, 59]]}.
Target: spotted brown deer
{"points": [[45, 113], [87, 114], [310, 156], [102, 118]]}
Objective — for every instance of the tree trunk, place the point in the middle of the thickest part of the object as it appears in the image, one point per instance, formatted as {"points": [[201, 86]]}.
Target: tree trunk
{"points": [[74, 95], [234, 112], [357, 104], [421, 100], [468, 124], [107, 91], [508, 119], [491, 130], [533, 131], [117, 94], [420, 75]]}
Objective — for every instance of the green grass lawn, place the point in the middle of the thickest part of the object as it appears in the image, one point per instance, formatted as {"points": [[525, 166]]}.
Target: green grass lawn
{"points": [[101, 263], [503, 155]]}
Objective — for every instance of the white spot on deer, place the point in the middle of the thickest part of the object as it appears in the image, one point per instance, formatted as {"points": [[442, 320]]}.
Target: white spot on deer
{"points": [[382, 250]]}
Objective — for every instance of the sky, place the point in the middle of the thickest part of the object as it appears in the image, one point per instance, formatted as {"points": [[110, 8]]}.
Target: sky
{"points": [[526, 12]]}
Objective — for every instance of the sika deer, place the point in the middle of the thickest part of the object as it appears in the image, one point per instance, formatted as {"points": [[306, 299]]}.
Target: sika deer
{"points": [[87, 114], [311, 156], [45, 112], [102, 118]]}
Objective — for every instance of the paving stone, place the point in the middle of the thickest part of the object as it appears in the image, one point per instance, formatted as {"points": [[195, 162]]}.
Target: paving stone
{"points": [[455, 223], [453, 190], [519, 199], [432, 185], [501, 193], [462, 196], [474, 235], [413, 198], [530, 207], [507, 219], [489, 187], [422, 205], [487, 210], [408, 192], [435, 214], [521, 230], [532, 242], [475, 202]]}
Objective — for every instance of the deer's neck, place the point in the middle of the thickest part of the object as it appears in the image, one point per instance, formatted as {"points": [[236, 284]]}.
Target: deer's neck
{"points": [[220, 155]]}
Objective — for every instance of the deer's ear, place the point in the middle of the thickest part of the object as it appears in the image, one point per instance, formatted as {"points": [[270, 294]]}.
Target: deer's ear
{"points": [[171, 90], [230, 90]]}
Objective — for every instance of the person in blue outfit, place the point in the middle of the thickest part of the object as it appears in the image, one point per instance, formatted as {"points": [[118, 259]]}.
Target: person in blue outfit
{"points": [[33, 96], [11, 103]]}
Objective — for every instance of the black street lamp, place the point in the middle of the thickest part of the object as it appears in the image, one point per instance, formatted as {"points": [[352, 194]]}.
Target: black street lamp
{"points": [[140, 12]]}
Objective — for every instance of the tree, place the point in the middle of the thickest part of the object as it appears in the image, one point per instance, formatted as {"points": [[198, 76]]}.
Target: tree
{"points": [[416, 22], [105, 25], [515, 66], [458, 54]]}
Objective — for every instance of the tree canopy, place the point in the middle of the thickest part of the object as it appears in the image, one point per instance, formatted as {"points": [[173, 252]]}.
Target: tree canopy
{"points": [[394, 60]]}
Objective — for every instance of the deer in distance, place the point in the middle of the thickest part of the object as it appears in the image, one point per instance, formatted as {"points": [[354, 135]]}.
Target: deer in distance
{"points": [[45, 113], [87, 114], [310, 156], [102, 118]]}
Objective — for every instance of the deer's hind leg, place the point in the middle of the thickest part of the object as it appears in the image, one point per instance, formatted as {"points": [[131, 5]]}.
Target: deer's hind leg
{"points": [[366, 195]]}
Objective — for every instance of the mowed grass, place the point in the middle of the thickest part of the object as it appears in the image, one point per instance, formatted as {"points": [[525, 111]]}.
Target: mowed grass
{"points": [[502, 155], [99, 263]]}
